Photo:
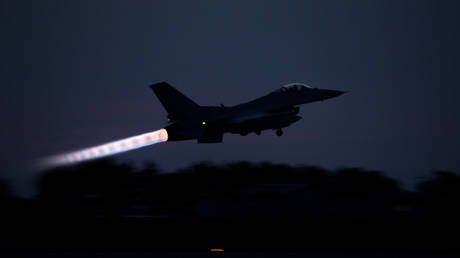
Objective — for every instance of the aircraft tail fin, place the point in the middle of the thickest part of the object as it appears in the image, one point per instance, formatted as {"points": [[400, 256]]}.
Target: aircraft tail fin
{"points": [[176, 104]]}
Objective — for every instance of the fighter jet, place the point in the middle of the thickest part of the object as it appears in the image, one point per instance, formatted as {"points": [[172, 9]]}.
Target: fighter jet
{"points": [[187, 120]]}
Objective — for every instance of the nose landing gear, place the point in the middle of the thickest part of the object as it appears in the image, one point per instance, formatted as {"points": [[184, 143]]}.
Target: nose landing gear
{"points": [[279, 132]]}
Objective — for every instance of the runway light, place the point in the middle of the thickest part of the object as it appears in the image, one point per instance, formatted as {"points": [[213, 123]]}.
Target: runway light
{"points": [[203, 123], [107, 149], [216, 250]]}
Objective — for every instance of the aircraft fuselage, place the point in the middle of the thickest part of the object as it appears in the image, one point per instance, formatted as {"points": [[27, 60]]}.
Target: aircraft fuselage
{"points": [[207, 124]]}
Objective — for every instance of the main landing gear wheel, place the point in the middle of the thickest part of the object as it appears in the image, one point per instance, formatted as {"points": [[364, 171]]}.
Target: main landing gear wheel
{"points": [[258, 132], [279, 132]]}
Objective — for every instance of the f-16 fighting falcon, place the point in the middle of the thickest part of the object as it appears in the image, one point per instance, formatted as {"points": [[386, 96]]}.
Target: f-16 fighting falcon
{"points": [[187, 120]]}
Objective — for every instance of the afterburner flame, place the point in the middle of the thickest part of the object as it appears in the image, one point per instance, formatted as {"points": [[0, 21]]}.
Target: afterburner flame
{"points": [[107, 149]]}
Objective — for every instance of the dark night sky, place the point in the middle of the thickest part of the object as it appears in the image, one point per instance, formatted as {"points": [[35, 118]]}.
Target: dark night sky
{"points": [[76, 74]]}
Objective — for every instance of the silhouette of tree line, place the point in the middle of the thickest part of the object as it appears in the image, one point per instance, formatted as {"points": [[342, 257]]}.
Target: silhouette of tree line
{"points": [[105, 205]]}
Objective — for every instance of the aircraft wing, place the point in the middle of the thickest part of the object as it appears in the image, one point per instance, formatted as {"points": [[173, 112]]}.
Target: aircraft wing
{"points": [[248, 117]]}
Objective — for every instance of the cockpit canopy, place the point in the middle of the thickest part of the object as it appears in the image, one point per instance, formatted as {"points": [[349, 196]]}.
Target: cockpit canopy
{"points": [[294, 87]]}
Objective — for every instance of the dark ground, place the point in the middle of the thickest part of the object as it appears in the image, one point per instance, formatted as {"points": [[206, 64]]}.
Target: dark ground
{"points": [[231, 254], [244, 208]]}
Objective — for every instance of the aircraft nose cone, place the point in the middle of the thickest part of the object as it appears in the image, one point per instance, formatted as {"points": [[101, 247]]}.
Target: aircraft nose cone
{"points": [[336, 93], [332, 93]]}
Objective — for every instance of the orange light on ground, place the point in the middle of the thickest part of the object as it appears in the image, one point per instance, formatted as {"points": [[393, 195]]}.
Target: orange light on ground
{"points": [[107, 149], [216, 250]]}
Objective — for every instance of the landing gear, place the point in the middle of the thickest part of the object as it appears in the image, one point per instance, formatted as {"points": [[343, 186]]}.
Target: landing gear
{"points": [[244, 133], [279, 132], [258, 132]]}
